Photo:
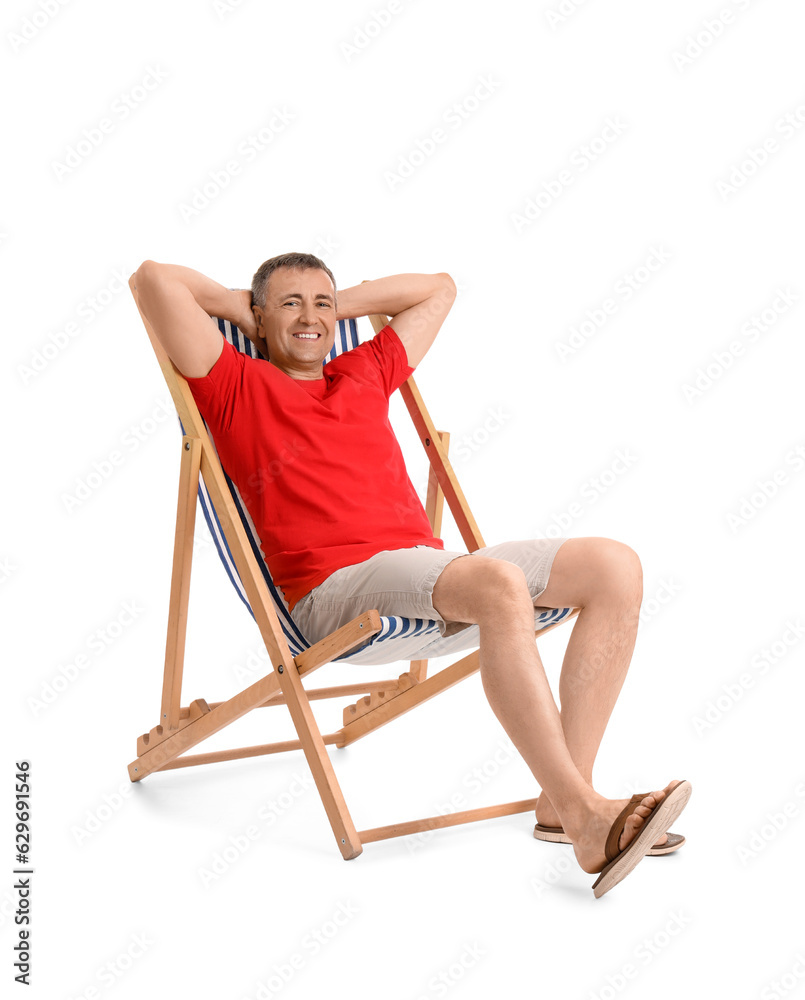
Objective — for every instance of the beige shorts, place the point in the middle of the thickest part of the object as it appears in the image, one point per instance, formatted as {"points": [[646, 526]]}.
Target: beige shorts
{"points": [[401, 581]]}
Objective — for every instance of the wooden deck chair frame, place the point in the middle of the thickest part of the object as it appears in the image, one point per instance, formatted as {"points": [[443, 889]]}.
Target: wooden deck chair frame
{"points": [[181, 728]]}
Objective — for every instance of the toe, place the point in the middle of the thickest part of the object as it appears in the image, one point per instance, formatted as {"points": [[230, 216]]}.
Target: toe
{"points": [[635, 821]]}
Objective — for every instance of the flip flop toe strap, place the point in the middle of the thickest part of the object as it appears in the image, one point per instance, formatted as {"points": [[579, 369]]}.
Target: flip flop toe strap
{"points": [[611, 850]]}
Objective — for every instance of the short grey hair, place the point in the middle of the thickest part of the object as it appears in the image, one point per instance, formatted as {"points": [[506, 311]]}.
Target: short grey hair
{"points": [[304, 261]]}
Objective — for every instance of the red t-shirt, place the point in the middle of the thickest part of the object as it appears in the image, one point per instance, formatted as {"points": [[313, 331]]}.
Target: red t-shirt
{"points": [[316, 460]]}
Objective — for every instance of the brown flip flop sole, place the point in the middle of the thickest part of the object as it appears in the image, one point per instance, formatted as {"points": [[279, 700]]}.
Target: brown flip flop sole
{"points": [[624, 862], [556, 835]]}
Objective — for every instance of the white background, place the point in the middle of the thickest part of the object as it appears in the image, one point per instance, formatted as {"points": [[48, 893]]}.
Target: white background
{"points": [[120, 904]]}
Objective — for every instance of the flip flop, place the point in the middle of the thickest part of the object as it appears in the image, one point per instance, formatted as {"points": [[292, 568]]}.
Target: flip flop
{"points": [[557, 835], [621, 863]]}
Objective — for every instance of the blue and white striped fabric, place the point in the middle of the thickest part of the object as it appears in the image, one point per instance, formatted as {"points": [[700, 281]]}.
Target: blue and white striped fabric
{"points": [[399, 638]]}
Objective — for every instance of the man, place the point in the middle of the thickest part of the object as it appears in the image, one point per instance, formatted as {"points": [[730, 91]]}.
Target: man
{"points": [[320, 471]]}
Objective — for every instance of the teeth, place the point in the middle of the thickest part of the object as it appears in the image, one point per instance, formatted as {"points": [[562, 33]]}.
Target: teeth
{"points": [[306, 336]]}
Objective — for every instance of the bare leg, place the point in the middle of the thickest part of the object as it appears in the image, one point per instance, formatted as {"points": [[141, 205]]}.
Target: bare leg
{"points": [[604, 579], [493, 593]]}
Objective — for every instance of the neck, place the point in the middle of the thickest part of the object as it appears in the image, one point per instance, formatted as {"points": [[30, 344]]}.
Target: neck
{"points": [[306, 373]]}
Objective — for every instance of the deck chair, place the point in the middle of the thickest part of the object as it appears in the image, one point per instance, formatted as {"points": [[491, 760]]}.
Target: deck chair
{"points": [[370, 638]]}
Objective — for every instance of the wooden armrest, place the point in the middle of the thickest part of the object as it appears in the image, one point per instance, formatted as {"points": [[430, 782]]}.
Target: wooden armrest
{"points": [[331, 646]]}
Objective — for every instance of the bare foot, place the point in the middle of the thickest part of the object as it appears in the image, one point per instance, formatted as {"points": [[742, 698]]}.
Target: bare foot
{"points": [[589, 836], [548, 816]]}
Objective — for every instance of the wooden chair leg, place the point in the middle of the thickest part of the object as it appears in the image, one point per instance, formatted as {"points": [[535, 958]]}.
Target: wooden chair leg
{"points": [[180, 582], [346, 835]]}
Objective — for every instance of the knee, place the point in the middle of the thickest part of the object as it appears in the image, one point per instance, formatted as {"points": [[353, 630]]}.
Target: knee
{"points": [[501, 583], [477, 588], [620, 572]]}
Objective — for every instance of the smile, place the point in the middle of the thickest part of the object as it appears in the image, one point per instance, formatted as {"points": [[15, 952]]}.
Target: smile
{"points": [[307, 336]]}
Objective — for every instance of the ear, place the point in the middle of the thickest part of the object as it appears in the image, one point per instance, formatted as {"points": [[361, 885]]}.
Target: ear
{"points": [[258, 319]]}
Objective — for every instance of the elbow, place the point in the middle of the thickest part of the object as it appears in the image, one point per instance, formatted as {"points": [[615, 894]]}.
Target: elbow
{"points": [[146, 270], [142, 272], [144, 279]]}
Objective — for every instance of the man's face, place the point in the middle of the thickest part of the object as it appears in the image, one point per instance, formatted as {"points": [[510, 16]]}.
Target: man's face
{"points": [[298, 320]]}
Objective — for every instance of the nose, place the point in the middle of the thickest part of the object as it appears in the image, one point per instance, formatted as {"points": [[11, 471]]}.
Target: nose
{"points": [[308, 317]]}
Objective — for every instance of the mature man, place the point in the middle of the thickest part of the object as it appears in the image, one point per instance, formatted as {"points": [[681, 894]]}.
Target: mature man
{"points": [[317, 464]]}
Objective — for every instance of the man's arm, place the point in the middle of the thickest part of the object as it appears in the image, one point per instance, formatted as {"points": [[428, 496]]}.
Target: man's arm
{"points": [[417, 303], [178, 303]]}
